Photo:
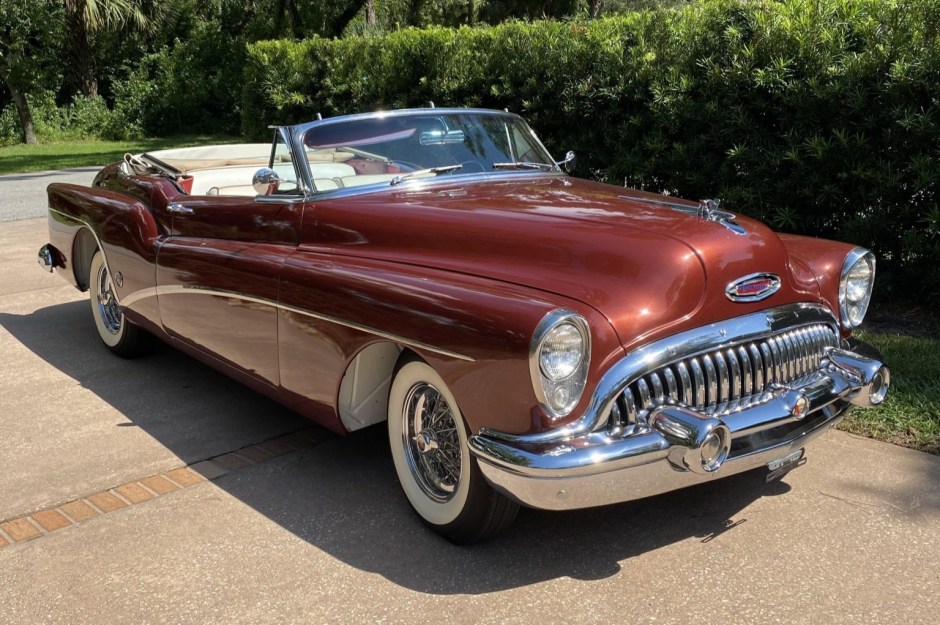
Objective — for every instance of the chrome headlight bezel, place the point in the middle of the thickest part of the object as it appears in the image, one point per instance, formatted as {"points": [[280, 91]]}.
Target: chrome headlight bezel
{"points": [[571, 385], [852, 311]]}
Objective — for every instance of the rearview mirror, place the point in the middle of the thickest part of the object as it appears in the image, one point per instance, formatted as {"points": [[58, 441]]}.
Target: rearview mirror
{"points": [[569, 162], [441, 137], [266, 181]]}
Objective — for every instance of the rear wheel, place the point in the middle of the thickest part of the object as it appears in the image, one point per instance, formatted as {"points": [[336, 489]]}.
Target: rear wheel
{"points": [[441, 479], [120, 335]]}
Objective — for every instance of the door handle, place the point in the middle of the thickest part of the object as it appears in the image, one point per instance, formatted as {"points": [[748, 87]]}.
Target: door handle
{"points": [[179, 209]]}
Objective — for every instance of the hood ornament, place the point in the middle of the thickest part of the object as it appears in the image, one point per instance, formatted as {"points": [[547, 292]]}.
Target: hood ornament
{"points": [[709, 211], [753, 287], [706, 209]]}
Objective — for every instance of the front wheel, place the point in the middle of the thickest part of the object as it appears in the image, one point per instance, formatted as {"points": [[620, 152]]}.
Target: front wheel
{"points": [[442, 481], [120, 335]]}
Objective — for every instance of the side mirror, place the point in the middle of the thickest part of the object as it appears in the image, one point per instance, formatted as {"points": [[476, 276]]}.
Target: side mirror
{"points": [[569, 163], [266, 181]]}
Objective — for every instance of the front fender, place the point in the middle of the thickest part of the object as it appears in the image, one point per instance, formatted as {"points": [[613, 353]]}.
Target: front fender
{"points": [[824, 259], [475, 332]]}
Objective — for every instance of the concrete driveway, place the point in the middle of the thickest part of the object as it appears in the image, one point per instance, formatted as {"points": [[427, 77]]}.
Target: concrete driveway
{"points": [[157, 491], [23, 196]]}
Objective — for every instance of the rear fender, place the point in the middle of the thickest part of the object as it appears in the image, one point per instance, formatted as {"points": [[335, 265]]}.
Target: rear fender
{"points": [[82, 219]]}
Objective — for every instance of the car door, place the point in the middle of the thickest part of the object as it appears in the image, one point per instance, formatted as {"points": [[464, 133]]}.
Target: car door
{"points": [[218, 274]]}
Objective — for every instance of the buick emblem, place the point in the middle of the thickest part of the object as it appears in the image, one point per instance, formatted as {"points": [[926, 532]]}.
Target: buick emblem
{"points": [[753, 288]]}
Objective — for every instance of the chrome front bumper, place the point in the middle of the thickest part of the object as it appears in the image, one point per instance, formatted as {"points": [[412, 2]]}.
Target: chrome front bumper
{"points": [[679, 447]]}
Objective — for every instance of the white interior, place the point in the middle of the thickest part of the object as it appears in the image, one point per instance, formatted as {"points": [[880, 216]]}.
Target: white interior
{"points": [[229, 169]]}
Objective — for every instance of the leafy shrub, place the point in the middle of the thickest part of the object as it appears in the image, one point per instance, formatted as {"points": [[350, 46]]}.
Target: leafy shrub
{"points": [[195, 84], [51, 121], [820, 117], [88, 117], [10, 130]]}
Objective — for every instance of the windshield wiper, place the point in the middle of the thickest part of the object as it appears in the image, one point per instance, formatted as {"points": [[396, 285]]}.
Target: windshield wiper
{"points": [[523, 165], [421, 172]]}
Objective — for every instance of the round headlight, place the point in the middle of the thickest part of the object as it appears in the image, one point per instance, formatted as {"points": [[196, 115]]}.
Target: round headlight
{"points": [[562, 351], [858, 277], [858, 281], [559, 358]]}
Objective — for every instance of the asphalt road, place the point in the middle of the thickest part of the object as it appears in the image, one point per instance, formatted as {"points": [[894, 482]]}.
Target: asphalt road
{"points": [[324, 535], [23, 196]]}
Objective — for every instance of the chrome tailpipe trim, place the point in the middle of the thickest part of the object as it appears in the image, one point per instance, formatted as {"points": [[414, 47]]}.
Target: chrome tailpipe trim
{"points": [[47, 258], [873, 377], [697, 442]]}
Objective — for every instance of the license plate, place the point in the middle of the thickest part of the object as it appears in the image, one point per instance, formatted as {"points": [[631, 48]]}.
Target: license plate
{"points": [[778, 468]]}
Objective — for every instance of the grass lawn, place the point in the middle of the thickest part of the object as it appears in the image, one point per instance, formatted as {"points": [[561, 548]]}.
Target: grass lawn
{"points": [[910, 415], [21, 158]]}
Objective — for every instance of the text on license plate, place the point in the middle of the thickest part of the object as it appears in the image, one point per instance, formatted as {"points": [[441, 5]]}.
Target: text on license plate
{"points": [[779, 468]]}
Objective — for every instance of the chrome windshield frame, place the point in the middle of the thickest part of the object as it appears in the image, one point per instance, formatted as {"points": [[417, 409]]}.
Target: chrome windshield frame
{"points": [[296, 133]]}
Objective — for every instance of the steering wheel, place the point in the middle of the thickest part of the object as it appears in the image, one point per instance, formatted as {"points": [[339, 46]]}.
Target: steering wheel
{"points": [[472, 166]]}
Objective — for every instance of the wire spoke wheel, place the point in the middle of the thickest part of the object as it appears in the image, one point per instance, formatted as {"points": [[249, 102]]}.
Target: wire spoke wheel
{"points": [[431, 442], [121, 336], [111, 315]]}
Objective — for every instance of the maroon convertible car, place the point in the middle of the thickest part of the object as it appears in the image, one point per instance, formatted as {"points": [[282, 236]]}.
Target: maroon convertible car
{"points": [[529, 338]]}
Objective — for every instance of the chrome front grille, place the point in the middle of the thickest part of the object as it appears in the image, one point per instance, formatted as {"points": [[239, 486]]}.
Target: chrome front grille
{"points": [[726, 379]]}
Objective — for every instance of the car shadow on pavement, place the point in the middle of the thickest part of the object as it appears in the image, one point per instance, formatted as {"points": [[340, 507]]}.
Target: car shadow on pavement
{"points": [[342, 496], [186, 406]]}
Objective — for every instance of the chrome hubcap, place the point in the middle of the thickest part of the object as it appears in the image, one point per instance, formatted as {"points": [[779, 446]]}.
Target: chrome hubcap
{"points": [[108, 308], [431, 441]]}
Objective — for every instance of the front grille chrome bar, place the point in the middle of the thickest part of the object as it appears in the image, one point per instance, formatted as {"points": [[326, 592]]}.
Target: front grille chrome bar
{"points": [[753, 327], [726, 379]]}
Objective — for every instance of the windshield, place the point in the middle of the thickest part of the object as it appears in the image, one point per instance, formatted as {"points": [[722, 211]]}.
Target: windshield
{"points": [[395, 148]]}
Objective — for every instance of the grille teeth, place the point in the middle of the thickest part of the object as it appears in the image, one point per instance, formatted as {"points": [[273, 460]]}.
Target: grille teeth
{"points": [[724, 379]]}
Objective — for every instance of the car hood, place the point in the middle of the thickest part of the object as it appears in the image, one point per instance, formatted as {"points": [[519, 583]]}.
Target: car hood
{"points": [[651, 269]]}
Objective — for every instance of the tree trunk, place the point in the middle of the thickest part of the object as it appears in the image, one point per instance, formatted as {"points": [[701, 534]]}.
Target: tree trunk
{"points": [[414, 14], [595, 6], [370, 13], [340, 22], [26, 118], [83, 62]]}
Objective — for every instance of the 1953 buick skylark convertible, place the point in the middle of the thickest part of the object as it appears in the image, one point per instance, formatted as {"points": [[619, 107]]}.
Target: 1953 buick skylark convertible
{"points": [[529, 337]]}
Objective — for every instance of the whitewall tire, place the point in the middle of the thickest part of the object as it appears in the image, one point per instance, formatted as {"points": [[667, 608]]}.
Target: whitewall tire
{"points": [[120, 335], [428, 440]]}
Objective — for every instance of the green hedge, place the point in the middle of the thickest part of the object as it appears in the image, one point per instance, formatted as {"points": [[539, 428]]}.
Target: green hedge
{"points": [[818, 116]]}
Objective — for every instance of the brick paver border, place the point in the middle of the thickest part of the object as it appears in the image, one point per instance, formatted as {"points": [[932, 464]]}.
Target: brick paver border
{"points": [[56, 517]]}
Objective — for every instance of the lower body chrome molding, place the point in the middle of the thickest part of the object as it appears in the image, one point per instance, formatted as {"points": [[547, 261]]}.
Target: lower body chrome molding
{"points": [[682, 447]]}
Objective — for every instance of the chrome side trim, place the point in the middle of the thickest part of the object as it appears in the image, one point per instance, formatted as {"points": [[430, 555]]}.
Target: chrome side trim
{"points": [[104, 255], [684, 345], [179, 209], [368, 330], [136, 296], [201, 290]]}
